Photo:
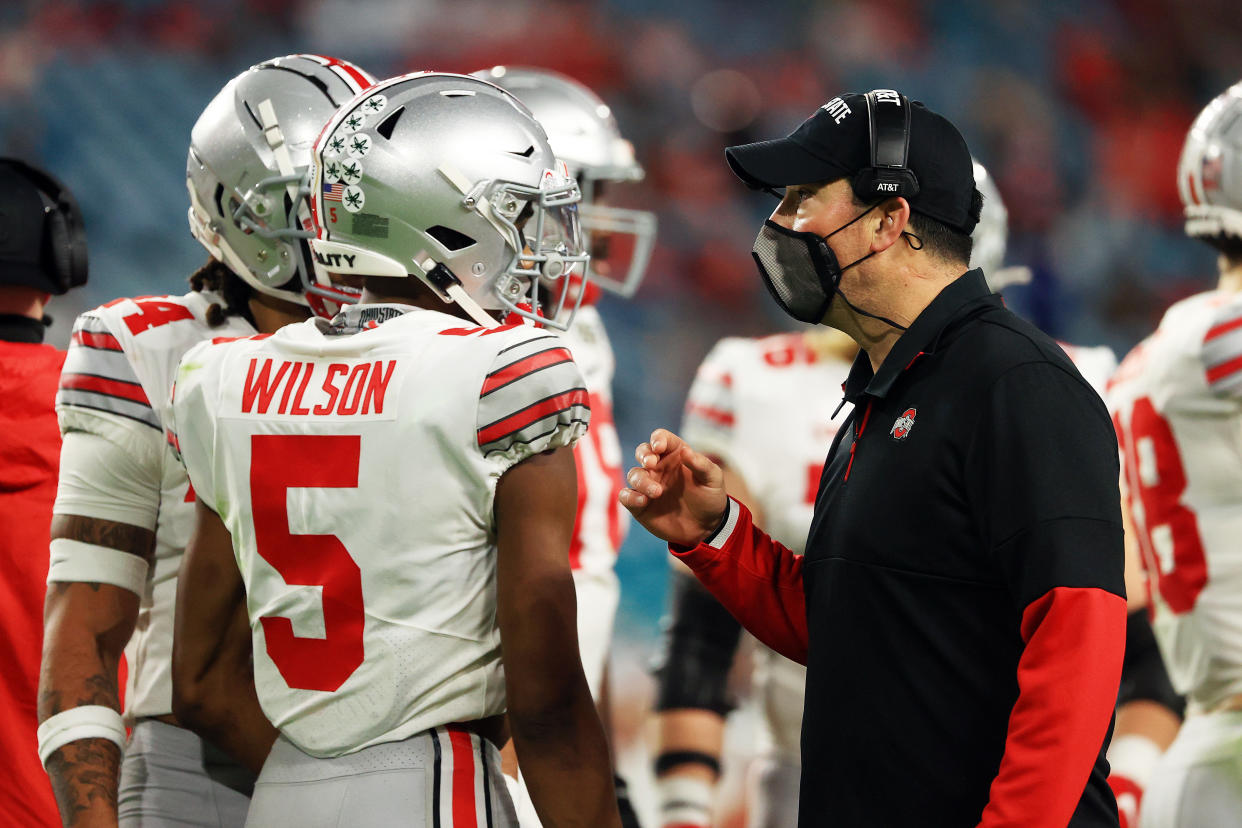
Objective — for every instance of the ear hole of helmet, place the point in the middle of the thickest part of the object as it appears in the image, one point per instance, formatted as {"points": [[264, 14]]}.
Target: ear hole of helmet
{"points": [[450, 239], [390, 123], [218, 200]]}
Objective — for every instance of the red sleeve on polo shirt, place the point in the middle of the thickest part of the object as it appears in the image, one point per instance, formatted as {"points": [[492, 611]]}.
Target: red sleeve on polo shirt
{"points": [[1067, 687], [756, 579]]}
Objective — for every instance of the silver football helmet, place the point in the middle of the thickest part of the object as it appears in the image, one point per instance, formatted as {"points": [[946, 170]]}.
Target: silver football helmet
{"points": [[991, 236], [1209, 173], [583, 133], [450, 179], [248, 173]]}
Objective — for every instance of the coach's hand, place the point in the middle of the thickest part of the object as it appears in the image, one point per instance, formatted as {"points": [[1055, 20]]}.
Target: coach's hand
{"points": [[676, 493]]}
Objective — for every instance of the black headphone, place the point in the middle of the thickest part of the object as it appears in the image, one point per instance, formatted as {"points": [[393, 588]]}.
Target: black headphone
{"points": [[63, 246], [888, 116]]}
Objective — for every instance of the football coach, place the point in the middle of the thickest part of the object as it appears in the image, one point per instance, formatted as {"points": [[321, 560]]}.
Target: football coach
{"points": [[960, 604]]}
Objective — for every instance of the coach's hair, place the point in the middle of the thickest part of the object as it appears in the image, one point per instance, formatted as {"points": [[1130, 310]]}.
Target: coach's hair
{"points": [[218, 278]]}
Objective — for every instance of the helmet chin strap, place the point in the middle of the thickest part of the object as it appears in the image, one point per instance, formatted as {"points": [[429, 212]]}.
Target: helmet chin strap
{"points": [[456, 293]]}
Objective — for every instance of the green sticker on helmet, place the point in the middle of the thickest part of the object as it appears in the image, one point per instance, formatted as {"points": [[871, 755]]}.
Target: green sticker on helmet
{"points": [[369, 224]]}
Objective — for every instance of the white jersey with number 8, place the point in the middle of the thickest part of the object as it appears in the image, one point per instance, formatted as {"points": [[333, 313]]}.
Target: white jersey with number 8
{"points": [[355, 467], [1177, 405]]}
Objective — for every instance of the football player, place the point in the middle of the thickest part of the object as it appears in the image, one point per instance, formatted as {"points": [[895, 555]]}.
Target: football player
{"points": [[583, 133], [738, 413], [399, 487], [124, 508], [1177, 405]]}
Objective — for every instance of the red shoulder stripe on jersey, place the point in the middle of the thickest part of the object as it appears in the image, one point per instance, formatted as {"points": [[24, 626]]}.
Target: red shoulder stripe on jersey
{"points": [[717, 416], [532, 414], [1218, 372], [98, 341], [1222, 329], [523, 367], [102, 385]]}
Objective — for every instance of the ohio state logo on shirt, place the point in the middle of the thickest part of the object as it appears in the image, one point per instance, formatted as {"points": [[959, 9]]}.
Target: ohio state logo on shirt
{"points": [[903, 424]]}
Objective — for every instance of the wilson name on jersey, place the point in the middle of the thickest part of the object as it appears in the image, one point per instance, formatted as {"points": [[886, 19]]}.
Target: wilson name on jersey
{"points": [[355, 465], [765, 407], [1176, 402], [115, 383]]}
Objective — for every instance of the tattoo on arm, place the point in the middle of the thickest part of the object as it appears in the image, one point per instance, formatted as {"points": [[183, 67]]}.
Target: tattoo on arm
{"points": [[84, 774], [84, 635], [110, 533], [84, 777]]}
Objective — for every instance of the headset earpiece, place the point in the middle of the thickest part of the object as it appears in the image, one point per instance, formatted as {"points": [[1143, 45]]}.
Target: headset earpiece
{"points": [[64, 238], [888, 115]]}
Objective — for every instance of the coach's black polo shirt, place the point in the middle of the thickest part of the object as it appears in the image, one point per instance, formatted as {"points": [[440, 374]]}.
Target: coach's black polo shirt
{"points": [[979, 471]]}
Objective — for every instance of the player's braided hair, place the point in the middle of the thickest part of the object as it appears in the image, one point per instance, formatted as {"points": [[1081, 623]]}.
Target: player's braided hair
{"points": [[1228, 246], [216, 277]]}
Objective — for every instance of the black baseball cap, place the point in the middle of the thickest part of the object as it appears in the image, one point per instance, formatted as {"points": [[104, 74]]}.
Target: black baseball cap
{"points": [[835, 143]]}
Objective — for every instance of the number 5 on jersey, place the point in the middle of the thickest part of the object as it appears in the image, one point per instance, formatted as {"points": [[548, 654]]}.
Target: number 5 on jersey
{"points": [[278, 463]]}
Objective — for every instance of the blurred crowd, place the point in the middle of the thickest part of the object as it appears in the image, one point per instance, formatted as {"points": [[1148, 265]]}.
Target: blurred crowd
{"points": [[1078, 107]]}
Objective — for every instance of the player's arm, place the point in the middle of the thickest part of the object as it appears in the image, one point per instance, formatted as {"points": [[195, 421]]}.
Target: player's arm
{"points": [[692, 696], [86, 626], [556, 730], [213, 690]]}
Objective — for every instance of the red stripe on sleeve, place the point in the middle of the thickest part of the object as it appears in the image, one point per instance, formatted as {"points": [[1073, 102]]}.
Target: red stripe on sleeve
{"points": [[707, 412], [101, 385], [575, 541], [759, 582], [533, 414], [519, 369], [465, 814], [1067, 687], [99, 341], [1219, 372], [1222, 329]]}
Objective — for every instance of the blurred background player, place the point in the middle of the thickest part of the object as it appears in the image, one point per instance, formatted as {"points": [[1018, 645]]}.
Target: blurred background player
{"points": [[1177, 403], [584, 135], [42, 254], [738, 412], [124, 508], [435, 491]]}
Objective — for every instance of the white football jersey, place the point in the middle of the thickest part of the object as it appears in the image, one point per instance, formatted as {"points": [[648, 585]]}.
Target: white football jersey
{"points": [[1095, 363], [602, 520], [765, 407], [1177, 404], [355, 465], [115, 383]]}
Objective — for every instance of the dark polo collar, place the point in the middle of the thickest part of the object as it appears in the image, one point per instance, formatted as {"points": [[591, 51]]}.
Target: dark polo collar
{"points": [[950, 306], [17, 328]]}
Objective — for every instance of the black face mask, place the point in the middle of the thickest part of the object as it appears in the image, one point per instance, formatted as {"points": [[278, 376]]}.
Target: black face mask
{"points": [[802, 273]]}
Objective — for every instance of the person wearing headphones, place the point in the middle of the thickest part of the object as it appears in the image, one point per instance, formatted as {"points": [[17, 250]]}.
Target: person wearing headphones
{"points": [[42, 254], [960, 607]]}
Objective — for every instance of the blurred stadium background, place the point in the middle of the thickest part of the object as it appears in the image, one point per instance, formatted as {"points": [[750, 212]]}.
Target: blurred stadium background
{"points": [[1078, 107]]}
